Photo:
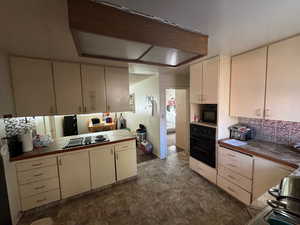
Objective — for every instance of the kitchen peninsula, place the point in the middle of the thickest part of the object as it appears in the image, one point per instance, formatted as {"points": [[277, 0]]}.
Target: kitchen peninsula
{"points": [[53, 173]]}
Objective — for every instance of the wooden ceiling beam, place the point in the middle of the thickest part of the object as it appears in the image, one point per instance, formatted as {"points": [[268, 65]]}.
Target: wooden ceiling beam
{"points": [[92, 17]]}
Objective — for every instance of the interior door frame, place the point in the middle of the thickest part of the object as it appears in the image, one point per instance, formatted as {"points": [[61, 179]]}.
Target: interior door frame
{"points": [[163, 121]]}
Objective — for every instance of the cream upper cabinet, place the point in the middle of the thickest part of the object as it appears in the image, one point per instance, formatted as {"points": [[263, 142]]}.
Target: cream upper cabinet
{"points": [[283, 79], [32, 83], [267, 174], [74, 173], [196, 71], [67, 80], [102, 163], [117, 89], [93, 85], [248, 78], [210, 81]]}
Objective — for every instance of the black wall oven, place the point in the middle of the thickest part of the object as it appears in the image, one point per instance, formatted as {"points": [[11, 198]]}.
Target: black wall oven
{"points": [[203, 144]]}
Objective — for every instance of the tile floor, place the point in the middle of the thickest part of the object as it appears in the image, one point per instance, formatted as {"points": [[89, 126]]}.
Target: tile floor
{"points": [[141, 156], [166, 192]]}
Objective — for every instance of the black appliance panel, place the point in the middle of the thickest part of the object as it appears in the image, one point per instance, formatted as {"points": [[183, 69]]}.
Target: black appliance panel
{"points": [[203, 144], [70, 125]]}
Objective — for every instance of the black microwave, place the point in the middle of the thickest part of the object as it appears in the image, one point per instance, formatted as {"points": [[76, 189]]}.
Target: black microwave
{"points": [[209, 116]]}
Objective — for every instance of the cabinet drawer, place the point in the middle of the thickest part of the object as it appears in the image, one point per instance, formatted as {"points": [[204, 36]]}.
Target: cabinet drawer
{"points": [[37, 175], [40, 199], [36, 164], [234, 190], [125, 145], [235, 178], [39, 187], [238, 162], [204, 170]]}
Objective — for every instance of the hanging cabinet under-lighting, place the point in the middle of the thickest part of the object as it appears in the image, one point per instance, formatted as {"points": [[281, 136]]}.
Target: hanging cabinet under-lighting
{"points": [[105, 31]]}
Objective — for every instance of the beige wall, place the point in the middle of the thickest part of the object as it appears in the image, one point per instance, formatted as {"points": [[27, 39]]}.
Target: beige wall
{"points": [[173, 79], [182, 122], [142, 114], [6, 98]]}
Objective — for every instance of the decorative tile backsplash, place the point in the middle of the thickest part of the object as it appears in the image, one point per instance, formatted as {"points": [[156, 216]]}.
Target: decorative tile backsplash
{"points": [[281, 132], [18, 126]]}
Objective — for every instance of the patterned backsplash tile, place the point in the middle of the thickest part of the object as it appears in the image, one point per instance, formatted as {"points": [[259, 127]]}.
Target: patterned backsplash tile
{"points": [[18, 126], [281, 132]]}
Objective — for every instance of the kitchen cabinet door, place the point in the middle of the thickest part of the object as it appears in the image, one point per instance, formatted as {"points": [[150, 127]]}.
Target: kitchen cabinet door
{"points": [[117, 89], [32, 83], [93, 85], [74, 173], [210, 81], [68, 91], [267, 174], [126, 163], [283, 79], [248, 79], [196, 78], [102, 161]]}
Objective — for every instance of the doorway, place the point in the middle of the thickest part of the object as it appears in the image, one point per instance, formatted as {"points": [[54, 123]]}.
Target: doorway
{"points": [[176, 120]]}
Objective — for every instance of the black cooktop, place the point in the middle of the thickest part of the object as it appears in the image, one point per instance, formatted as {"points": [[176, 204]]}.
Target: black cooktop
{"points": [[89, 140]]}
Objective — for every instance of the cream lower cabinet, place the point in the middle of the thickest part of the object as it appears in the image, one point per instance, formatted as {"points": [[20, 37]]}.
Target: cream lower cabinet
{"points": [[126, 164], [202, 169], [38, 182], [102, 163], [248, 177], [235, 174], [74, 173], [267, 174]]}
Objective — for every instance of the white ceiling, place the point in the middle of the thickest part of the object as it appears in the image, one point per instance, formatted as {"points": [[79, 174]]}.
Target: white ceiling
{"points": [[233, 26], [40, 27]]}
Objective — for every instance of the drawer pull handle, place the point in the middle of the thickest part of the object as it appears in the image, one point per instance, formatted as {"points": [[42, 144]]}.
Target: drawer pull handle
{"points": [[38, 175], [40, 187], [41, 200], [232, 155], [38, 164], [230, 189], [232, 165]]}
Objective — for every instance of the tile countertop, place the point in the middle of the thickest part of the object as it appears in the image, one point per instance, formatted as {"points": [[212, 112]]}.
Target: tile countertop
{"points": [[282, 154], [56, 147]]}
